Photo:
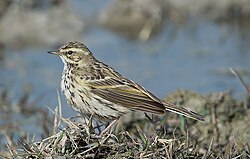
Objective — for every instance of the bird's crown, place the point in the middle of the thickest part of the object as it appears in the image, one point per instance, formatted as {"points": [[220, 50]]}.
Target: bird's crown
{"points": [[74, 46], [73, 52]]}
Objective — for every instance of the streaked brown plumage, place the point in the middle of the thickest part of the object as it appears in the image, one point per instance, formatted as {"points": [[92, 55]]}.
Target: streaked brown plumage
{"points": [[93, 88]]}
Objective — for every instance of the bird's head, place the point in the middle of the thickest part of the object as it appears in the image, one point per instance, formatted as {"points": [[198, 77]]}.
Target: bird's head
{"points": [[73, 53]]}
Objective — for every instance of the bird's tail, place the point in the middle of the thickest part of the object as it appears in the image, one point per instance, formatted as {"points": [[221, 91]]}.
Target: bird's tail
{"points": [[182, 111]]}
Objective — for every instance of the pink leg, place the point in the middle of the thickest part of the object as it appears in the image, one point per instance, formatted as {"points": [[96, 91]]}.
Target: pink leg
{"points": [[108, 127]]}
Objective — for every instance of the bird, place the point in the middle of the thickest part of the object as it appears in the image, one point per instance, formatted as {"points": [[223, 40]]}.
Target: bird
{"points": [[94, 89]]}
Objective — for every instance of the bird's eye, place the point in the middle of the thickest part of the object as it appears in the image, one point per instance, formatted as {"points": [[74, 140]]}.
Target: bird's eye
{"points": [[70, 52]]}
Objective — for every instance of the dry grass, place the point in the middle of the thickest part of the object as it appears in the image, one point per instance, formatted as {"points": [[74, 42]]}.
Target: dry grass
{"points": [[80, 141]]}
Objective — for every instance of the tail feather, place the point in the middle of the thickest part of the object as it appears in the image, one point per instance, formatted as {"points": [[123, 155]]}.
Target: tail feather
{"points": [[182, 111]]}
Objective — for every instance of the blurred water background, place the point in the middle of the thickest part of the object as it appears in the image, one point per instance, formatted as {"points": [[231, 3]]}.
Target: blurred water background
{"points": [[182, 49]]}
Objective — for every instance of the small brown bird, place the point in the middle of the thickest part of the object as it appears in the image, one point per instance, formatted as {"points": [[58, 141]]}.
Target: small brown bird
{"points": [[93, 88]]}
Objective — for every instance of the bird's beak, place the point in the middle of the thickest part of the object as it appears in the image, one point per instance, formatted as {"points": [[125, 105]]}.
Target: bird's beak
{"points": [[54, 52]]}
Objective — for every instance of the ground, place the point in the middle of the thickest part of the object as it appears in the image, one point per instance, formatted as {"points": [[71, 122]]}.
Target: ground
{"points": [[223, 134]]}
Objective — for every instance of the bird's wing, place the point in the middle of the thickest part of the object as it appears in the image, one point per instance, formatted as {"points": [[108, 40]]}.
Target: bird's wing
{"points": [[127, 94]]}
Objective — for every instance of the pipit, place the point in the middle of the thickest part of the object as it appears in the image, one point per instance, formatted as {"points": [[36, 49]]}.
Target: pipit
{"points": [[95, 89]]}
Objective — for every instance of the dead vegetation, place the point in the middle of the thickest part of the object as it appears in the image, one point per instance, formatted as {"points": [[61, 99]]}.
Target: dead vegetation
{"points": [[16, 117], [81, 141]]}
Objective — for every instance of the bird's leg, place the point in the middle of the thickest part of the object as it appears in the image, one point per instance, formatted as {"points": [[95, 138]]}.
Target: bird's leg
{"points": [[151, 120], [109, 126], [98, 126]]}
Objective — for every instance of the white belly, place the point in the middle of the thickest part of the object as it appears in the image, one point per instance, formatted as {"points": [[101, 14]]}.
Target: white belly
{"points": [[84, 102]]}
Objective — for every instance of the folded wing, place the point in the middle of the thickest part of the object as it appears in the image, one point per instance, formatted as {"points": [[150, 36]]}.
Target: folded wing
{"points": [[127, 94]]}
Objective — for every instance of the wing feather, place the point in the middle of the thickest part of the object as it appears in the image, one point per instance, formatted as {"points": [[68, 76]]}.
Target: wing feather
{"points": [[130, 101], [127, 95], [132, 96]]}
